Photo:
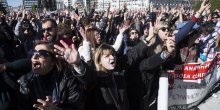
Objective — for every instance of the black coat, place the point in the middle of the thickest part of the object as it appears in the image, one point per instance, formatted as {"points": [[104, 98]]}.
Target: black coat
{"points": [[108, 92], [62, 87], [8, 92]]}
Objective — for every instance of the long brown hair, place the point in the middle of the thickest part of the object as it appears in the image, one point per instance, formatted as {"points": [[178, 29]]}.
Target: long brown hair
{"points": [[100, 51], [90, 34]]}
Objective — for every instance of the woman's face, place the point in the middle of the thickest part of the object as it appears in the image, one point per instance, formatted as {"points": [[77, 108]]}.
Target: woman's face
{"points": [[97, 37], [146, 31], [41, 60], [108, 60]]}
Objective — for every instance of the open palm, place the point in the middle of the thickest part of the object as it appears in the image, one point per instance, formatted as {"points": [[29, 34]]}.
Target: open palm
{"points": [[70, 54]]}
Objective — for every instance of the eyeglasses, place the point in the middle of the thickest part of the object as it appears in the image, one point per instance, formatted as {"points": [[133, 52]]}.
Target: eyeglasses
{"points": [[42, 54], [164, 29], [47, 29]]}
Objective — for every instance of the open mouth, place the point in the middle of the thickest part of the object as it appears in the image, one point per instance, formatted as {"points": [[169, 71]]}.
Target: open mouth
{"points": [[36, 65], [112, 62]]}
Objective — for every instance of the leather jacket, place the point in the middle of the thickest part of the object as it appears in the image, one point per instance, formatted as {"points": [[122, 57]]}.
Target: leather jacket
{"points": [[64, 88], [107, 93]]}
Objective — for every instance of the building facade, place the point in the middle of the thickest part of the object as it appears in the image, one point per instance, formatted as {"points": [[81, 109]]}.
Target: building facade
{"points": [[4, 3], [4, 6], [60, 4], [118, 4], [171, 3], [48, 4], [27, 4]]}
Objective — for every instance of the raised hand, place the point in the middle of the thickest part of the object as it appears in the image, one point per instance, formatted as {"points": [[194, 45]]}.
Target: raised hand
{"points": [[173, 10], [151, 7], [125, 26], [170, 43], [70, 54], [23, 14], [45, 104], [151, 32], [75, 16], [2, 68], [204, 5]]}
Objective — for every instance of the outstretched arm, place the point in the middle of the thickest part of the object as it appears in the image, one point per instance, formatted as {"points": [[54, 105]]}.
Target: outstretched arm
{"points": [[71, 55]]}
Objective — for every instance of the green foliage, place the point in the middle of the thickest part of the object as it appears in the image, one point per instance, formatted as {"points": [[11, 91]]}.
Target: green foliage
{"points": [[215, 4], [34, 8]]}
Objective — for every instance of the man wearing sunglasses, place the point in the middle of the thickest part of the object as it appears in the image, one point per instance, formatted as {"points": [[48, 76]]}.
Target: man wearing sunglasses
{"points": [[49, 30]]}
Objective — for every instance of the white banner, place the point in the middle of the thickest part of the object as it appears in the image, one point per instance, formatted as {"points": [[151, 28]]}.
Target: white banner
{"points": [[188, 84]]}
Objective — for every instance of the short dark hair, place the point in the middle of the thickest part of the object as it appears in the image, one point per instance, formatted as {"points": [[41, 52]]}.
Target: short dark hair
{"points": [[50, 20], [215, 15]]}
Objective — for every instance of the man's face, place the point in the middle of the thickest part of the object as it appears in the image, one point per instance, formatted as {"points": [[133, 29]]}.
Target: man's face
{"points": [[163, 33], [49, 31], [134, 35], [215, 18]]}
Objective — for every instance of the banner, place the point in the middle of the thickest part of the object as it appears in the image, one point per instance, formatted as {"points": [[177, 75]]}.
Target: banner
{"points": [[189, 84]]}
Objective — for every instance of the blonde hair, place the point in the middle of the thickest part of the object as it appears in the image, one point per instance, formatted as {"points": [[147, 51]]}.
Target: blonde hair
{"points": [[100, 51]]}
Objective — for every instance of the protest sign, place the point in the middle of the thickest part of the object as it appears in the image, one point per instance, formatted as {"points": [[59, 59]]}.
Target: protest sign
{"points": [[189, 84]]}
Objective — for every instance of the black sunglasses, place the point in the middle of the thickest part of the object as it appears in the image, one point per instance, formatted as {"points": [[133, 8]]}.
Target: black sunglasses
{"points": [[47, 29], [164, 29], [42, 54]]}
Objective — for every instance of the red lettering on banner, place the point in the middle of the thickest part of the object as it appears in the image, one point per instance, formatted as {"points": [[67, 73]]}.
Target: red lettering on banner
{"points": [[204, 66], [198, 76], [192, 71], [189, 68]]}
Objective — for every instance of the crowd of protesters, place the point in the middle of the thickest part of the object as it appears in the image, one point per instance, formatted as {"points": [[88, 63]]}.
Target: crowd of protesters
{"points": [[108, 60]]}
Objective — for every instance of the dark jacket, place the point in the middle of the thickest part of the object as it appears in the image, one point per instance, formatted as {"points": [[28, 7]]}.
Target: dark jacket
{"points": [[8, 94], [9, 90], [108, 92], [152, 66], [62, 87], [150, 69]]}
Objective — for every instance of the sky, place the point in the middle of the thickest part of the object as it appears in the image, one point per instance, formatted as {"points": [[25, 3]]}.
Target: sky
{"points": [[14, 3]]}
